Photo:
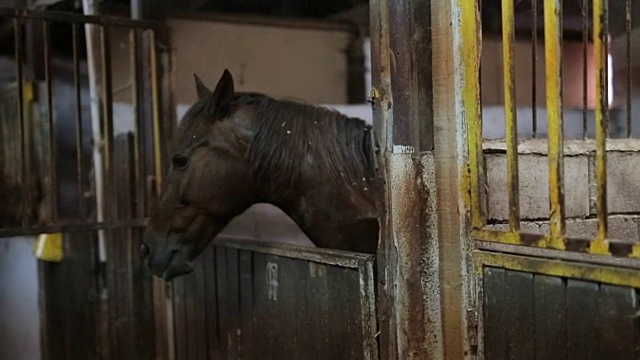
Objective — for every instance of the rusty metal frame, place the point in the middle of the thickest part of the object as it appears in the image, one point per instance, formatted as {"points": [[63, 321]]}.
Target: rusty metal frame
{"points": [[508, 44], [148, 183], [19, 16], [556, 267], [363, 263], [80, 19], [556, 238], [600, 245], [551, 266]]}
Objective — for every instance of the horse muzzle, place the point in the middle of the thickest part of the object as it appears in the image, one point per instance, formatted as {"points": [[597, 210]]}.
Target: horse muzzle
{"points": [[166, 261]]}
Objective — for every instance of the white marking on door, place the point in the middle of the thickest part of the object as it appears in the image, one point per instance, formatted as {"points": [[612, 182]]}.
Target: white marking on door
{"points": [[272, 281]]}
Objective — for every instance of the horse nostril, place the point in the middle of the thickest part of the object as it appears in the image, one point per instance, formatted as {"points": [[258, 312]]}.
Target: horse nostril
{"points": [[144, 249]]}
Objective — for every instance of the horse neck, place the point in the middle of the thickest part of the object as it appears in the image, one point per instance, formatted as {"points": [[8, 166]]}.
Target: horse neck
{"points": [[332, 216]]}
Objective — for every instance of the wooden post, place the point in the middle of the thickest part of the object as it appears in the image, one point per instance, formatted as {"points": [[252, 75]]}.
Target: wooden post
{"points": [[408, 265], [455, 30]]}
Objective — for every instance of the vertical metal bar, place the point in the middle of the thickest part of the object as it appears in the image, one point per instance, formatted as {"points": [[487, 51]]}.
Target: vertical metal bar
{"points": [[509, 69], [107, 121], [600, 38], [52, 126], [79, 128], [471, 94], [139, 138], [534, 69], [17, 26], [629, 66], [156, 110], [553, 57], [585, 74]]}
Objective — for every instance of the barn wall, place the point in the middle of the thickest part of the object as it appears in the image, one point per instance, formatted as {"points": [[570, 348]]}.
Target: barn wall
{"points": [[623, 161], [20, 319], [572, 66], [306, 63], [572, 55]]}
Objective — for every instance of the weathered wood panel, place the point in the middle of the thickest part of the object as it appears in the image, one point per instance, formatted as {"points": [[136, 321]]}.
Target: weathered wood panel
{"points": [[618, 326], [533, 316], [550, 318], [581, 337], [128, 312], [274, 303], [519, 315], [494, 317], [70, 301]]}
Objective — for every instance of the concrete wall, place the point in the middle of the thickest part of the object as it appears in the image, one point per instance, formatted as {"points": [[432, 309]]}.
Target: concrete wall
{"points": [[623, 189], [303, 62]]}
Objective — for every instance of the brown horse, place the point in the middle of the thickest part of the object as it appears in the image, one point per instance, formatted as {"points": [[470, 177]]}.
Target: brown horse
{"points": [[234, 149]]}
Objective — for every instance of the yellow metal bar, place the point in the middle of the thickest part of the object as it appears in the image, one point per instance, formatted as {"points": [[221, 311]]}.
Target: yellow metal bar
{"points": [[553, 58], [156, 110], [509, 69], [497, 236], [471, 38], [597, 273], [600, 244]]}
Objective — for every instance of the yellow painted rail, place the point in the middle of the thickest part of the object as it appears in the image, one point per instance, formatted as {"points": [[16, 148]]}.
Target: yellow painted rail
{"points": [[471, 102], [600, 244], [474, 178], [553, 61], [511, 126]]}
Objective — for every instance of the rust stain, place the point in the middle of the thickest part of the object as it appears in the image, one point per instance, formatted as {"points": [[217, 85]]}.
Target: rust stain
{"points": [[598, 273], [508, 40], [600, 245], [407, 200]]}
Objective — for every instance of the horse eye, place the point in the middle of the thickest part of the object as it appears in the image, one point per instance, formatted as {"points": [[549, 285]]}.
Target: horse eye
{"points": [[180, 161]]}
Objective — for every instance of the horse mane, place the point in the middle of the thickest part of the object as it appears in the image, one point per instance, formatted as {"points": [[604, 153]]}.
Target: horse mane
{"points": [[289, 133]]}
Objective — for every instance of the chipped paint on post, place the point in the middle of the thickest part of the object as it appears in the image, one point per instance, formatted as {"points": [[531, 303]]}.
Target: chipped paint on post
{"points": [[413, 208], [553, 63], [511, 126], [600, 245], [457, 152], [408, 258]]}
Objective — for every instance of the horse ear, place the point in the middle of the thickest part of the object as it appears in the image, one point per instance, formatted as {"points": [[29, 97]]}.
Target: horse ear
{"points": [[201, 89], [224, 91]]}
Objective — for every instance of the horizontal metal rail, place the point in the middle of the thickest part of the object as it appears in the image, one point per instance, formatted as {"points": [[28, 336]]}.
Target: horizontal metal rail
{"points": [[72, 227], [59, 16], [563, 268]]}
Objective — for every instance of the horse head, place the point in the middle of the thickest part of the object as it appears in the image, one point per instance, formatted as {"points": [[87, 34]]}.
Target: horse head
{"points": [[208, 182]]}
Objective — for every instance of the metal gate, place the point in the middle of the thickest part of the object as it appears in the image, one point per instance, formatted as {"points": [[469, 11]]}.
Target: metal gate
{"points": [[89, 173], [554, 281]]}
